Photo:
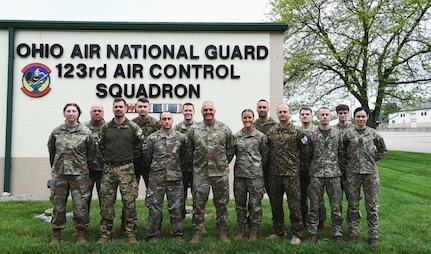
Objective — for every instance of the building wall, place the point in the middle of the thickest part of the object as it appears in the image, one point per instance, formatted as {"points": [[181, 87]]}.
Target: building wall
{"points": [[411, 119], [35, 118]]}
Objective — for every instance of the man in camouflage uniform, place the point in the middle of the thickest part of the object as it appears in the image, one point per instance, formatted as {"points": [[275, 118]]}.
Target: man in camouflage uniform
{"points": [[95, 123], [162, 154], [252, 151], [187, 165], [148, 125], [306, 118], [120, 142], [362, 147], [325, 149], [288, 147], [211, 143], [263, 123]]}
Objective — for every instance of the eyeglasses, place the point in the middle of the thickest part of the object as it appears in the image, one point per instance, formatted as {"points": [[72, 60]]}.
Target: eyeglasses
{"points": [[96, 110]]}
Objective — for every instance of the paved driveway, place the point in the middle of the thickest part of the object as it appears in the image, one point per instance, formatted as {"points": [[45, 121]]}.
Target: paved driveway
{"points": [[408, 141]]}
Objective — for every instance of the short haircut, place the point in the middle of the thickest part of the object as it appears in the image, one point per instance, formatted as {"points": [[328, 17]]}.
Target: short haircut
{"points": [[143, 100], [342, 107], [306, 109], [189, 104], [361, 109], [263, 100], [120, 99]]}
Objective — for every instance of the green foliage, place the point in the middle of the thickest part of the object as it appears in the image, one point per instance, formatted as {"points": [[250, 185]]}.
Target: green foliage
{"points": [[404, 220], [375, 52]]}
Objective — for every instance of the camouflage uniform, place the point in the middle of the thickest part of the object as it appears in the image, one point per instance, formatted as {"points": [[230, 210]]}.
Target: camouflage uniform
{"points": [[325, 173], [212, 148], [162, 156], [186, 165], [96, 169], [264, 129], [342, 161], [252, 152], [71, 152], [119, 145], [148, 126], [362, 148], [288, 147]]}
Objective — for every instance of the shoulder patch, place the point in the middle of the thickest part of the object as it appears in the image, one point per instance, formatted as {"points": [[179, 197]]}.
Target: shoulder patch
{"points": [[304, 140]]}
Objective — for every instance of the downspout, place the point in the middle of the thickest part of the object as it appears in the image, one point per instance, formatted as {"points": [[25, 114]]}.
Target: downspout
{"points": [[9, 105]]}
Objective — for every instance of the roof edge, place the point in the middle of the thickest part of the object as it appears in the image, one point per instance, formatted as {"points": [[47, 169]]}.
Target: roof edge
{"points": [[147, 26]]}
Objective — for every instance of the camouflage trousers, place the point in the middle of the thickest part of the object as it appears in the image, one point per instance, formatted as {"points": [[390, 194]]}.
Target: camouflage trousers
{"points": [[201, 189], [305, 182], [371, 185], [291, 186], [122, 177], [335, 194], [78, 186], [254, 189], [154, 201]]}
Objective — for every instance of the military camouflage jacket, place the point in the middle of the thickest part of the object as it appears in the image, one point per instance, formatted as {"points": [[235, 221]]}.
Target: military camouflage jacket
{"points": [[120, 143], [252, 151], [212, 148], [362, 149], [98, 161], [342, 129], [342, 160], [186, 162], [266, 126], [71, 150], [148, 126], [324, 153], [288, 147], [162, 155]]}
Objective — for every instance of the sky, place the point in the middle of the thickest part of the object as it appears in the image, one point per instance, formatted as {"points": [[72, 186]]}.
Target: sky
{"points": [[137, 10]]}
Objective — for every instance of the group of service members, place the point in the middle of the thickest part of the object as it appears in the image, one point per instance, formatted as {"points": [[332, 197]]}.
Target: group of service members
{"points": [[277, 158]]}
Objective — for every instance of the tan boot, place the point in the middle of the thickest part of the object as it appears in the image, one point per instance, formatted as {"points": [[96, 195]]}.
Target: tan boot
{"points": [[253, 233], [80, 236], [240, 234], [56, 235], [222, 236], [197, 237]]}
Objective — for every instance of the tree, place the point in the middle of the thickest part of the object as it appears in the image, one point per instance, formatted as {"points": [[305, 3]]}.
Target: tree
{"points": [[378, 51]]}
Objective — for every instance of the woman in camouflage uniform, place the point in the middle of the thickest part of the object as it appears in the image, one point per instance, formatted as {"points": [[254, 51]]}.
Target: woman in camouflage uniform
{"points": [[362, 147], [251, 149], [70, 152]]}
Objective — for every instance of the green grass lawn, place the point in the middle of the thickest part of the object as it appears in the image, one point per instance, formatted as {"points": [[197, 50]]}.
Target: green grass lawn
{"points": [[404, 223]]}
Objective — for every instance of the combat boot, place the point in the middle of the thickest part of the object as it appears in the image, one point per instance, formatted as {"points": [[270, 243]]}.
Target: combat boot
{"points": [[56, 235], [253, 233], [197, 237], [80, 236], [222, 236], [241, 233]]}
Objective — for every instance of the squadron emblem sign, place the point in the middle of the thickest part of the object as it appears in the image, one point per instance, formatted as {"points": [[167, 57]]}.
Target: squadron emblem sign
{"points": [[35, 80]]}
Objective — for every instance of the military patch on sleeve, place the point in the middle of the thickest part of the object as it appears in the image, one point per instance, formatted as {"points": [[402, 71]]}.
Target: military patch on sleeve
{"points": [[144, 148], [304, 140]]}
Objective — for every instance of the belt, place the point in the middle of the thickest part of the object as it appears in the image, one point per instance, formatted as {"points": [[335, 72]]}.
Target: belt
{"points": [[118, 163]]}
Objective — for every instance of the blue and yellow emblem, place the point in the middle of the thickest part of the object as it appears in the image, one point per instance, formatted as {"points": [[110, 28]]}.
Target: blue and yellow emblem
{"points": [[35, 80]]}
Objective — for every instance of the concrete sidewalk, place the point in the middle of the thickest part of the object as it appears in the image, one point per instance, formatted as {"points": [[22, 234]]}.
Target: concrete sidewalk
{"points": [[408, 141]]}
